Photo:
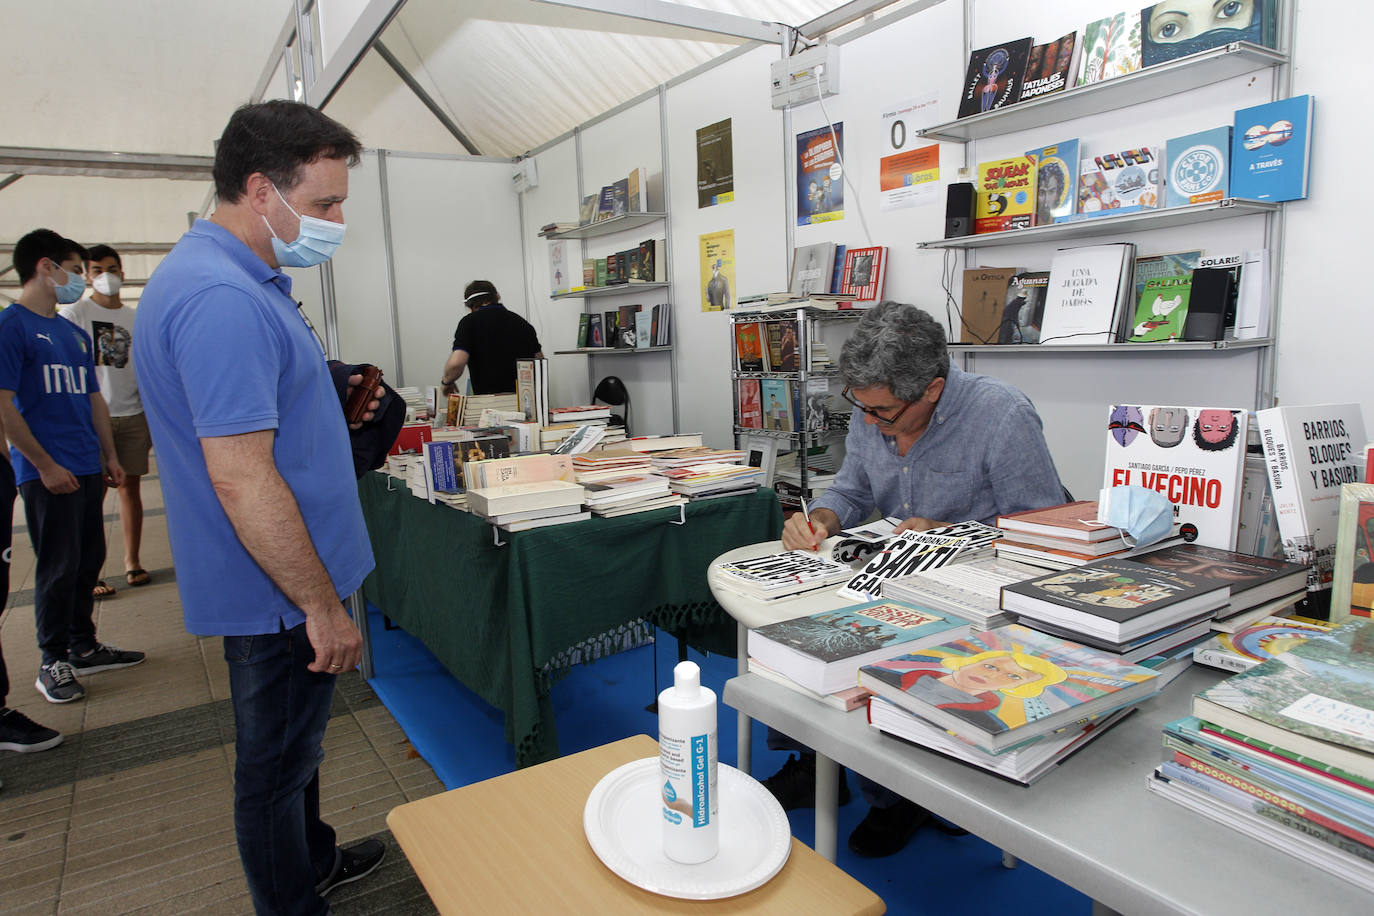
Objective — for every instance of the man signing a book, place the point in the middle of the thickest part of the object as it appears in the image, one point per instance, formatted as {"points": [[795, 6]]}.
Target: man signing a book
{"points": [[930, 444]]}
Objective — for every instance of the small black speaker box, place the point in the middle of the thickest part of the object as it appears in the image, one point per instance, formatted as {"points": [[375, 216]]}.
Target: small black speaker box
{"points": [[959, 210]]}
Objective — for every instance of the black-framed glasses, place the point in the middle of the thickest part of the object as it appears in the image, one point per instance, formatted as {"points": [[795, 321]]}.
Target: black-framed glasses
{"points": [[874, 413]]}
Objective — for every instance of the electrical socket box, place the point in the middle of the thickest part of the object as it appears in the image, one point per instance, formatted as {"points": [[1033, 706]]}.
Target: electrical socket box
{"points": [[806, 76], [524, 176]]}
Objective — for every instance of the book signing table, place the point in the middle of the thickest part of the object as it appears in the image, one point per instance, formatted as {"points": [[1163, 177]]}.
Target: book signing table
{"points": [[503, 619], [1092, 824]]}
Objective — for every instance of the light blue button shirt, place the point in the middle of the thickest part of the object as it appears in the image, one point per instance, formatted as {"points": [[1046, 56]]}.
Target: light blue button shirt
{"points": [[983, 455]]}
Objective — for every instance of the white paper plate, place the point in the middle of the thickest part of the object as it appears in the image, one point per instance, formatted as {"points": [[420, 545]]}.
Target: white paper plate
{"points": [[624, 824]]}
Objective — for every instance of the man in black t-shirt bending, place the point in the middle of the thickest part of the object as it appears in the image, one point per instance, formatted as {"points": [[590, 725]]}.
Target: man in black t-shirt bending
{"points": [[487, 343]]}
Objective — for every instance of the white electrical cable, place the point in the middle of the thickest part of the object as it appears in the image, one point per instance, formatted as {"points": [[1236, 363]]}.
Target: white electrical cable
{"points": [[844, 172]]}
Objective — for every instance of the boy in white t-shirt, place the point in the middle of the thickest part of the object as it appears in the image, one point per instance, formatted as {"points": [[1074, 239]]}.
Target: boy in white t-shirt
{"points": [[110, 323]]}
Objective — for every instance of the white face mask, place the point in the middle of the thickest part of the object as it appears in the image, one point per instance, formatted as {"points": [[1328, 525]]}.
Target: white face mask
{"points": [[107, 284]]}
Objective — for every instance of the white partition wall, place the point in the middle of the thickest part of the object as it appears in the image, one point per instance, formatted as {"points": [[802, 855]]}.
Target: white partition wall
{"points": [[736, 89]]}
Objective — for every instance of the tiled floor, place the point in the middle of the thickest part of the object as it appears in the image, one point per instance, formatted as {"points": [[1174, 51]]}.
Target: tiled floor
{"points": [[133, 813]]}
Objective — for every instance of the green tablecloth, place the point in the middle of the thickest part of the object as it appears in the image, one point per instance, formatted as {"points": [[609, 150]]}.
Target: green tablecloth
{"points": [[499, 617]]}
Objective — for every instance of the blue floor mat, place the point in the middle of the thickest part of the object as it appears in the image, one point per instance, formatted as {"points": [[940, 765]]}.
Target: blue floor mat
{"points": [[463, 738]]}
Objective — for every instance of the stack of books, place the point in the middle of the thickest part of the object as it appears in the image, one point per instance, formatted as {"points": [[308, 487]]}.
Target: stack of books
{"points": [[536, 468], [606, 464], [1064, 536], [711, 480], [1284, 753], [778, 575], [690, 457], [913, 551], [972, 590], [580, 439], [1260, 586], [520, 506], [660, 444], [473, 405], [584, 413], [630, 494], [823, 652], [982, 696], [1122, 606], [1258, 642]]}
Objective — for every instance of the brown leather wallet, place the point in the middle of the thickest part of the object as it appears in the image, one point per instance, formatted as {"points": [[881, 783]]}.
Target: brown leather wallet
{"points": [[362, 395]]}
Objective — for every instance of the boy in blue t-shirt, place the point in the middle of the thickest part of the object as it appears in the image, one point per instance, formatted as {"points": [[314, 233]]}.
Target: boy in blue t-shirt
{"points": [[58, 426]]}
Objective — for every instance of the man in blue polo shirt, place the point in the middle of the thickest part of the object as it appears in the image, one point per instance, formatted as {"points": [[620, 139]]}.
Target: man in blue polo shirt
{"points": [[58, 426], [257, 474]]}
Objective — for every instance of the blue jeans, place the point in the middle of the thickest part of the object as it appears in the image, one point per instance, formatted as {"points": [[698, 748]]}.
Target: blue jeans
{"points": [[280, 712]]}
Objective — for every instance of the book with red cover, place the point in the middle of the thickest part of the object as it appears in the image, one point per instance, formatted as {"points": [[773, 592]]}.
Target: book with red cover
{"points": [[864, 272], [750, 404], [1072, 521], [749, 347], [412, 438]]}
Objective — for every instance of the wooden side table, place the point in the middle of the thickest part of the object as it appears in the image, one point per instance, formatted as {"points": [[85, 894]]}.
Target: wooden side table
{"points": [[515, 844]]}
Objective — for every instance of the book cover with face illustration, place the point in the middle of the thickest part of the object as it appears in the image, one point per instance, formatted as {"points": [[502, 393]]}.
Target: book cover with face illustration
{"points": [[1193, 456]]}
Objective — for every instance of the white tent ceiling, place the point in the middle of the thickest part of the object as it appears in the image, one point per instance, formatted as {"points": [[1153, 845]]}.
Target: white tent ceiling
{"points": [[162, 76]]}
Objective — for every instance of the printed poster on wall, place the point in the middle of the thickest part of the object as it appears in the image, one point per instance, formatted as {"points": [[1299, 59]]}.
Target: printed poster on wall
{"points": [[820, 179], [717, 270], [715, 165], [908, 175]]}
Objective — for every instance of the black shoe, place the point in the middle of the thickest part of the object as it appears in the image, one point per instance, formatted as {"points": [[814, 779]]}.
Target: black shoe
{"points": [[104, 658], [884, 831], [20, 733], [794, 786], [354, 862]]}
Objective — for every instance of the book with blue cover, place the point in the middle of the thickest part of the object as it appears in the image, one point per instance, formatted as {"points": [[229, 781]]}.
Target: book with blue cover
{"points": [[1271, 146], [1056, 181], [1197, 171], [824, 651]]}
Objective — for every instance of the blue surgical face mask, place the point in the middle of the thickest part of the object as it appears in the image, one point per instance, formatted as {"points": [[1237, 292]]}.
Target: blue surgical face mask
{"points": [[315, 243], [1144, 514], [73, 289]]}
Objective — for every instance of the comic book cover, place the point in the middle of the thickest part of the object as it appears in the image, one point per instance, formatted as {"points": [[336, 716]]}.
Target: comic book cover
{"points": [[1006, 195], [1056, 182], [1111, 47], [1173, 30], [776, 395], [994, 77], [749, 347], [1162, 310], [1024, 310], [1051, 67], [1123, 182], [749, 409], [820, 182], [1007, 684], [1193, 456]]}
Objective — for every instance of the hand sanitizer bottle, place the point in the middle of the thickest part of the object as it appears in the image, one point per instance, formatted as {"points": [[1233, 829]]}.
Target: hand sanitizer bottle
{"points": [[687, 767]]}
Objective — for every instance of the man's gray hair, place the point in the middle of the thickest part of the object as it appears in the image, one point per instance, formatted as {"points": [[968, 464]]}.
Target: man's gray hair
{"points": [[896, 346]]}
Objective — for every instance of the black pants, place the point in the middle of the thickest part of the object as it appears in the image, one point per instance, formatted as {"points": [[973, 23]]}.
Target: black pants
{"points": [[68, 534], [7, 494]]}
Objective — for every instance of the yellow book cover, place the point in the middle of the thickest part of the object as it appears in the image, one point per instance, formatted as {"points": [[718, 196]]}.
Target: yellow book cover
{"points": [[717, 270], [1006, 195]]}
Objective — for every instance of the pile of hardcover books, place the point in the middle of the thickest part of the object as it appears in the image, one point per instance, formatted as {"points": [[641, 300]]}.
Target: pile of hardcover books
{"points": [[1284, 753], [1009, 700], [1060, 537], [779, 575], [1141, 613]]}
